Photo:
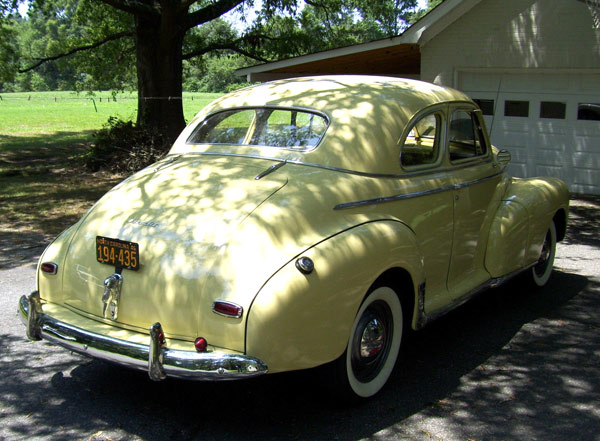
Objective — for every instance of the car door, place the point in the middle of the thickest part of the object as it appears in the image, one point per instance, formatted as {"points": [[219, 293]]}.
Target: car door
{"points": [[478, 187], [429, 210]]}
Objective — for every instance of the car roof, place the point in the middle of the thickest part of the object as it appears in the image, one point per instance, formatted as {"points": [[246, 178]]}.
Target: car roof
{"points": [[367, 116], [311, 92]]}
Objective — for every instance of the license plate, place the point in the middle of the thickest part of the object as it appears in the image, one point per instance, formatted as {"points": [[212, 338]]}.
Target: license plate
{"points": [[118, 253]]}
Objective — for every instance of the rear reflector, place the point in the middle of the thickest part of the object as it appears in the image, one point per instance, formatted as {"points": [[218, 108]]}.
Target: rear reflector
{"points": [[49, 268], [227, 309], [201, 344]]}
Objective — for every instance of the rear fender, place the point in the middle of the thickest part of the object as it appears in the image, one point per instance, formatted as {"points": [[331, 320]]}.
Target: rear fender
{"points": [[302, 320]]}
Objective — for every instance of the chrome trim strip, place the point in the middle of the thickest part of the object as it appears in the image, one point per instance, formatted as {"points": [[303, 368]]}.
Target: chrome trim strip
{"points": [[426, 318], [385, 199], [167, 163], [191, 365], [477, 181], [270, 170]]}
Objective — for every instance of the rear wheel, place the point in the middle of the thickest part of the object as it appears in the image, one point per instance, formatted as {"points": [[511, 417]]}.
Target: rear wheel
{"points": [[373, 346], [540, 273]]}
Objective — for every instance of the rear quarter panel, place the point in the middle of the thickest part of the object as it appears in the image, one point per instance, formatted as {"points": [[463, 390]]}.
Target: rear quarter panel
{"points": [[299, 321]]}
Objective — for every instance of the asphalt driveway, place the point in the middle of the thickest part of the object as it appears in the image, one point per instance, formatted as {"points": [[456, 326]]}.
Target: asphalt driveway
{"points": [[511, 364]]}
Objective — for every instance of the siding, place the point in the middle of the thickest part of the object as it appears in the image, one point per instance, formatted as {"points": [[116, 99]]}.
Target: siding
{"points": [[536, 34]]}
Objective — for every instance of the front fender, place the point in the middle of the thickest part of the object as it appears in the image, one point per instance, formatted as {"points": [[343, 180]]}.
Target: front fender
{"points": [[301, 320], [521, 222]]}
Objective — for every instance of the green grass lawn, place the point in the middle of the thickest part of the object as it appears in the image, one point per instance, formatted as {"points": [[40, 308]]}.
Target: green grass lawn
{"points": [[23, 114], [44, 186]]}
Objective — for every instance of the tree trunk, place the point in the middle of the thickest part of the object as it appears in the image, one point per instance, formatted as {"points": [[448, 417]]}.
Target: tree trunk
{"points": [[159, 43]]}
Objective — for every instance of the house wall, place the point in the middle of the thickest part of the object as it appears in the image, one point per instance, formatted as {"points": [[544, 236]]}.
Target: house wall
{"points": [[531, 34]]}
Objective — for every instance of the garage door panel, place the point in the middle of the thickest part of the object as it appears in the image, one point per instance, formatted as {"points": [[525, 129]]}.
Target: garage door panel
{"points": [[546, 170], [587, 144], [586, 178], [543, 134], [585, 161], [549, 158], [517, 169]]}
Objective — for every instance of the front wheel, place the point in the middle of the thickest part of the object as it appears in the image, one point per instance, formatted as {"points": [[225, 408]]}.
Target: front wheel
{"points": [[540, 273], [373, 346]]}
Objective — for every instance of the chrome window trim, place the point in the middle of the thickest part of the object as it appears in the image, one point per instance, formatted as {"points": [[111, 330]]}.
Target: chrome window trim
{"points": [[274, 107], [438, 111], [483, 139]]}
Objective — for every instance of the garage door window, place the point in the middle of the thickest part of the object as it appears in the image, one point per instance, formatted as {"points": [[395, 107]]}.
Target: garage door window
{"points": [[465, 136], [516, 108], [553, 110], [486, 106], [588, 111]]}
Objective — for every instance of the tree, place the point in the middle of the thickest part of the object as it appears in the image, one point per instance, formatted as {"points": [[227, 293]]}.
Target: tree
{"points": [[158, 35], [8, 49]]}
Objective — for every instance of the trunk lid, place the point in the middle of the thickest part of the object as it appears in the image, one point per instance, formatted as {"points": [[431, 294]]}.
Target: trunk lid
{"points": [[181, 215]]}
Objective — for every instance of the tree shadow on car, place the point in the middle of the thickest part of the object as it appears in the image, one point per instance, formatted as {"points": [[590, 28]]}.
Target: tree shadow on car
{"points": [[469, 367]]}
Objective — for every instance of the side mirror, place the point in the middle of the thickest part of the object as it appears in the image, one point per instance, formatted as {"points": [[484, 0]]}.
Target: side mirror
{"points": [[503, 158]]}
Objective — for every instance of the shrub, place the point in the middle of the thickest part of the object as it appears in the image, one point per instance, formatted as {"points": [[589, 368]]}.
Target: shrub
{"points": [[122, 146]]}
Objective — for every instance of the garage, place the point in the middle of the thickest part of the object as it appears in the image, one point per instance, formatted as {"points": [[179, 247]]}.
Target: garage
{"points": [[550, 122], [538, 88]]}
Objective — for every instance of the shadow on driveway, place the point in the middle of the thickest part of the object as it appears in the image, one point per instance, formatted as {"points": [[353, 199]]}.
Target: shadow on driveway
{"points": [[510, 364]]}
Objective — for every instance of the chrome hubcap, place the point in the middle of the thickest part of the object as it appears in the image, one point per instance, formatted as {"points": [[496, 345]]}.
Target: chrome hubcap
{"points": [[373, 339], [542, 264]]}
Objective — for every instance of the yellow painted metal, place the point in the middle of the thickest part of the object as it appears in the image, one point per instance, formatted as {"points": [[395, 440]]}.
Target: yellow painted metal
{"points": [[325, 302], [209, 230]]}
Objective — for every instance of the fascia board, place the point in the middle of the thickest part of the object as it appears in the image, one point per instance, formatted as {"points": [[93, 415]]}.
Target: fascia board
{"points": [[333, 53]]}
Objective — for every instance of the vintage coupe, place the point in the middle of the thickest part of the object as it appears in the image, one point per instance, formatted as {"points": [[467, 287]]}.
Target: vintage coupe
{"points": [[294, 224]]}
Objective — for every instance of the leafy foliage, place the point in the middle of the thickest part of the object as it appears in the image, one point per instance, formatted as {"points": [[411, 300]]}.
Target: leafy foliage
{"points": [[8, 48], [123, 146], [113, 44]]}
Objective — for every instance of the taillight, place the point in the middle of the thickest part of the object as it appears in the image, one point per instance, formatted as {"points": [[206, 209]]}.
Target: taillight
{"points": [[227, 309], [49, 267]]}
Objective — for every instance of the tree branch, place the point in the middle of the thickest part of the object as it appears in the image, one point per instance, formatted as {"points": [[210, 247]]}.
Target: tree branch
{"points": [[77, 49], [224, 46], [210, 12], [133, 7]]}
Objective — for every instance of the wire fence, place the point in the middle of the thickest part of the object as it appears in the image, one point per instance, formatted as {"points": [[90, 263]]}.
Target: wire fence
{"points": [[21, 97]]}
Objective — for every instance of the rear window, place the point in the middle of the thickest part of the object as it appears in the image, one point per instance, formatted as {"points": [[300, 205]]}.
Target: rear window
{"points": [[264, 126]]}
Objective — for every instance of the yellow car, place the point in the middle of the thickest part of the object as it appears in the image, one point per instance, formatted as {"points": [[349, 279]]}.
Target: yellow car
{"points": [[294, 224]]}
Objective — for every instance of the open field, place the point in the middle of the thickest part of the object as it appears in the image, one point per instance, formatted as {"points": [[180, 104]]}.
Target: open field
{"points": [[50, 112], [44, 186]]}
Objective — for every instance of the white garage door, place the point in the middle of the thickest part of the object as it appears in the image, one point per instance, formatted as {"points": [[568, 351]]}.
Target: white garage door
{"points": [[550, 122]]}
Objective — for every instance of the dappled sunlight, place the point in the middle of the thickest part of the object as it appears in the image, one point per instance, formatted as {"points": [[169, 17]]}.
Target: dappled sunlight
{"points": [[371, 114]]}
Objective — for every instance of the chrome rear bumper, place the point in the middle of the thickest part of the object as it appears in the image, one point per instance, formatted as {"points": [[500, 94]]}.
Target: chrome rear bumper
{"points": [[159, 361]]}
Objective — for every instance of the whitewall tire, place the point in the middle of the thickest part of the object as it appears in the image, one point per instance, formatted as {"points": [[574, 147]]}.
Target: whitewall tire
{"points": [[540, 273], [373, 345]]}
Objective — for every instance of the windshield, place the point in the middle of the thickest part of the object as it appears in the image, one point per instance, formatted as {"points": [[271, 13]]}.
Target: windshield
{"points": [[264, 126]]}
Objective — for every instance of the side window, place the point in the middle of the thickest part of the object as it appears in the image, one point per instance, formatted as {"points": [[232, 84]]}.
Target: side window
{"points": [[465, 137], [421, 146]]}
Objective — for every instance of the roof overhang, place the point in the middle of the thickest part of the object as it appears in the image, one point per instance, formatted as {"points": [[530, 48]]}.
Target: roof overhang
{"points": [[395, 56]]}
